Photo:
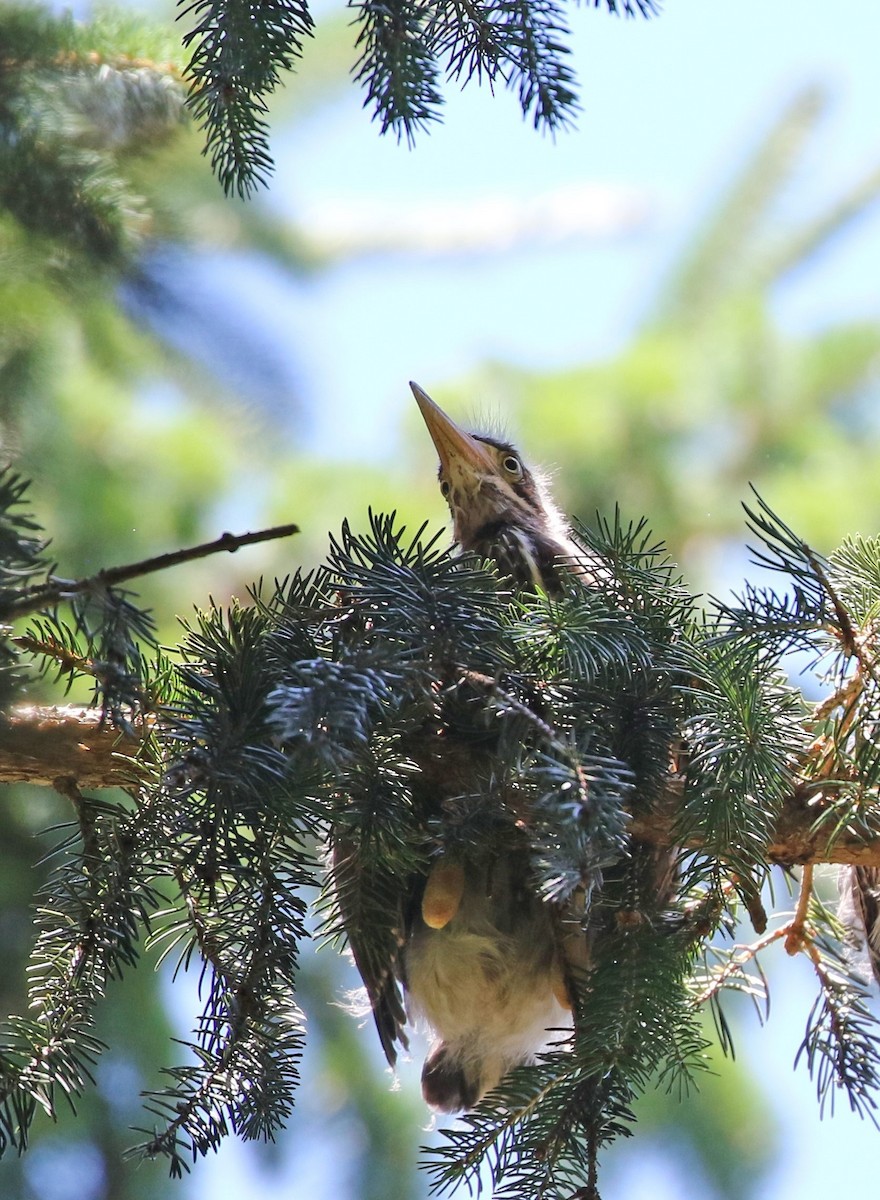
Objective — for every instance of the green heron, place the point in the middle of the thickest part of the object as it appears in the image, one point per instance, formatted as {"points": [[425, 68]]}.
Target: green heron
{"points": [[482, 960]]}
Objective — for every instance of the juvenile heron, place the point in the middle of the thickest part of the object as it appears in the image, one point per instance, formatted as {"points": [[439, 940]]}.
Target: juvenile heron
{"points": [[482, 958]]}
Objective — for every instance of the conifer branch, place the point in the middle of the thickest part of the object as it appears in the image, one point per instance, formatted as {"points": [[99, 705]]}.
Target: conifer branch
{"points": [[737, 960], [41, 745]]}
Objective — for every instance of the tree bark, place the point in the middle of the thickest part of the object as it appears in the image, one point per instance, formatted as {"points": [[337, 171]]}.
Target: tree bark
{"points": [[42, 745]]}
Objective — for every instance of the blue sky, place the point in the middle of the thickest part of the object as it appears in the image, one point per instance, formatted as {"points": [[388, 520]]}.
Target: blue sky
{"points": [[668, 107]]}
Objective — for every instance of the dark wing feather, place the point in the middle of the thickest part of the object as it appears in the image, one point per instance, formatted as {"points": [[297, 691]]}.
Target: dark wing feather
{"points": [[864, 885], [373, 916]]}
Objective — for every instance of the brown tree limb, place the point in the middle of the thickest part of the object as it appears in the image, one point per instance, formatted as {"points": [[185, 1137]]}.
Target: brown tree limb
{"points": [[800, 836], [43, 745]]}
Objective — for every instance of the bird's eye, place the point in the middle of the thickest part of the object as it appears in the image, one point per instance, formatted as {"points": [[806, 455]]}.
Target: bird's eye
{"points": [[512, 465], [444, 488]]}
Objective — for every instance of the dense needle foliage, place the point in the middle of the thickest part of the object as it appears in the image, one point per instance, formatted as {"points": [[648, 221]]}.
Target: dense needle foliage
{"points": [[405, 701]]}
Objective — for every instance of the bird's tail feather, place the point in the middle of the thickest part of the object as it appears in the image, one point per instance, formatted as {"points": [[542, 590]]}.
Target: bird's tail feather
{"points": [[450, 1083]]}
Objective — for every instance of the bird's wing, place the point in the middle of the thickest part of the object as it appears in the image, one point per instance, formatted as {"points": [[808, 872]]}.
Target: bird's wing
{"points": [[374, 920], [864, 888]]}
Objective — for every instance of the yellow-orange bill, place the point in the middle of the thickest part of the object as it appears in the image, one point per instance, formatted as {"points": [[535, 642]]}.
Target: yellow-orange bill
{"points": [[454, 446]]}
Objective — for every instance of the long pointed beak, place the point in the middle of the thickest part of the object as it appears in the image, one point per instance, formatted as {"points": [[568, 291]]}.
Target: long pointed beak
{"points": [[456, 448]]}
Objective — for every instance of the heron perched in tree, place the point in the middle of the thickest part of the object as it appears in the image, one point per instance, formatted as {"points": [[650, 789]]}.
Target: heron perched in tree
{"points": [[483, 960]]}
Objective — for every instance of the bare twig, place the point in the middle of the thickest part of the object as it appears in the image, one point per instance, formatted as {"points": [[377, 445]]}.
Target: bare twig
{"points": [[54, 590], [737, 960], [797, 935]]}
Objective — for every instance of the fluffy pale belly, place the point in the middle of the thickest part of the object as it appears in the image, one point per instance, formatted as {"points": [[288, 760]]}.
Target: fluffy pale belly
{"points": [[490, 986]]}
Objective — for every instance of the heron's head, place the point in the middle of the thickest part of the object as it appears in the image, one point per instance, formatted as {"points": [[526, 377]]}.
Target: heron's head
{"points": [[485, 481]]}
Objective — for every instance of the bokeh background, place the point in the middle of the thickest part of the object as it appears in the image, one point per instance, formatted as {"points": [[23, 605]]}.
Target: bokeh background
{"points": [[672, 301]]}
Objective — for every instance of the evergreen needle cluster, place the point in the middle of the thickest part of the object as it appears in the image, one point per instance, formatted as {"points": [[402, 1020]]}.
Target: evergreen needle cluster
{"points": [[76, 97], [402, 703], [239, 50]]}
